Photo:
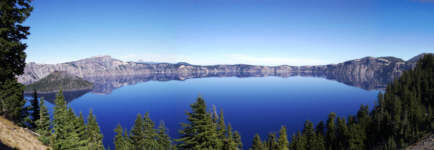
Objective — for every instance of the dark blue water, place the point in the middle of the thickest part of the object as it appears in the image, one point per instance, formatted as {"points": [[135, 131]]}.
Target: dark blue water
{"points": [[252, 105]]}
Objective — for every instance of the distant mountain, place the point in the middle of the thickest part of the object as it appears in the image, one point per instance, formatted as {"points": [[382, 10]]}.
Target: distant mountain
{"points": [[57, 79], [416, 58], [105, 66]]}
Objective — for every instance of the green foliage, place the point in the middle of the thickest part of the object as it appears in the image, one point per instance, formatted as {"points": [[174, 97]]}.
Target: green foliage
{"points": [[137, 137], [119, 138], [60, 122], [43, 123], [282, 141], [12, 58], [200, 133], [271, 142], [330, 134], [163, 139], [93, 133], [256, 143], [149, 132], [35, 109], [401, 115], [12, 101]]}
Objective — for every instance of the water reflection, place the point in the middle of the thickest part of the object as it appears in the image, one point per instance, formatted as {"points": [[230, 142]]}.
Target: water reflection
{"points": [[106, 84]]}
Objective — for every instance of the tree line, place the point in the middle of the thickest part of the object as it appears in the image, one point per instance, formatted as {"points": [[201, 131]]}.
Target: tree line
{"points": [[402, 115]]}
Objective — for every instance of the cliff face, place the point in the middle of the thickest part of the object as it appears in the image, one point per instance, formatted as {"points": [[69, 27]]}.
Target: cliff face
{"points": [[105, 66]]}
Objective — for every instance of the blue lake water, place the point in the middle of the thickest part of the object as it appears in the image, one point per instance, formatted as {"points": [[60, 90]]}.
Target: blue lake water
{"points": [[252, 105]]}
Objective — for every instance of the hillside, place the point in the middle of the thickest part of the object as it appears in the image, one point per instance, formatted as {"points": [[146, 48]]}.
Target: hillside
{"points": [[100, 66], [15, 137], [56, 79]]}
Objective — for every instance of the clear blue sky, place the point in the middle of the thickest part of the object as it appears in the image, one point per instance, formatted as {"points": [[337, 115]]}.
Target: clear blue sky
{"points": [[207, 32]]}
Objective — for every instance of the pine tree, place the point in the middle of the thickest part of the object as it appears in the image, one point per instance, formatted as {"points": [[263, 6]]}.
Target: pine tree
{"points": [[72, 138], [271, 141], [330, 135], [119, 139], [256, 143], [308, 133], [137, 136], [237, 139], [43, 123], [163, 139], [35, 107], [12, 57], [60, 121], [221, 131], [282, 141], [149, 132], [320, 128], [94, 133], [80, 130], [342, 132], [230, 144], [127, 144], [200, 133]]}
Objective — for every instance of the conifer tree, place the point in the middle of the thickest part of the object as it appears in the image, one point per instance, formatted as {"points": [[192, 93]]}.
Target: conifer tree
{"points": [[80, 130], [72, 138], [221, 131], [137, 136], [43, 123], [200, 133], [60, 122], [149, 132], [119, 139], [256, 143], [230, 143], [237, 139], [320, 128], [330, 135], [93, 133], [127, 144], [12, 57], [282, 141], [271, 141], [308, 133], [35, 108], [163, 139]]}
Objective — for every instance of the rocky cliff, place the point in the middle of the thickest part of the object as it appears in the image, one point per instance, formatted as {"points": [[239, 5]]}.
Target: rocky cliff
{"points": [[105, 66]]}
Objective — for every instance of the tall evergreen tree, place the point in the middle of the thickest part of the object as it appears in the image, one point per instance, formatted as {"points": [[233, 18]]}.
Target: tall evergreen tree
{"points": [[35, 108], [200, 133], [94, 133], [137, 136], [256, 143], [309, 133], [320, 128], [43, 123], [237, 139], [119, 139], [60, 122], [127, 144], [80, 130], [330, 135], [149, 132], [12, 56], [271, 141], [163, 139], [282, 141]]}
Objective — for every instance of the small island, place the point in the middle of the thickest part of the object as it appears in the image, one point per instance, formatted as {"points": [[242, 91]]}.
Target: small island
{"points": [[59, 79]]}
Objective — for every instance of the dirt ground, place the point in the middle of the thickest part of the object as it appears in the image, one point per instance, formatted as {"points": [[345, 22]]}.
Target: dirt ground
{"points": [[425, 143]]}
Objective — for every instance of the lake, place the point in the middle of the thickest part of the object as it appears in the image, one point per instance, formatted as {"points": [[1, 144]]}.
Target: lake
{"points": [[251, 104]]}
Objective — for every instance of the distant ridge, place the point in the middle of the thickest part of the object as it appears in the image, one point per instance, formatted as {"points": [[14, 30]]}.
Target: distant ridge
{"points": [[106, 66]]}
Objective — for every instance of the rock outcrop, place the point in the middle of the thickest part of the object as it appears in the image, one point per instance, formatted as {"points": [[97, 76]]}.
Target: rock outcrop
{"points": [[105, 66]]}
